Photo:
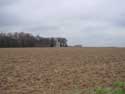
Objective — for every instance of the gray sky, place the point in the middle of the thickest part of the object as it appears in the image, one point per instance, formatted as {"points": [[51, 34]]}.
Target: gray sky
{"points": [[87, 22]]}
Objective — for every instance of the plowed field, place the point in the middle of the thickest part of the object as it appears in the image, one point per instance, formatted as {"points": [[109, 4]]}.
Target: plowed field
{"points": [[59, 70]]}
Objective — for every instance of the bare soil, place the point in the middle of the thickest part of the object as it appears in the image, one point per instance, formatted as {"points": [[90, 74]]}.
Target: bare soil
{"points": [[59, 70]]}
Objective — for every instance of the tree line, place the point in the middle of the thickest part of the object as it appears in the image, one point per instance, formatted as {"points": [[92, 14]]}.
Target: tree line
{"points": [[21, 39]]}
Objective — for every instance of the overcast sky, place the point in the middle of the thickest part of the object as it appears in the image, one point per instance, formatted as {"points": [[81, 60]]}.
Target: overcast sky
{"points": [[86, 22]]}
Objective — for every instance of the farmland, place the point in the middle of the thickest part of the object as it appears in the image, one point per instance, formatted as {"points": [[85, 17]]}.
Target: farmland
{"points": [[59, 70]]}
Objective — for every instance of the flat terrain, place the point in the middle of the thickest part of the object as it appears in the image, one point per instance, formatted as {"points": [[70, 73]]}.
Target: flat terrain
{"points": [[59, 70]]}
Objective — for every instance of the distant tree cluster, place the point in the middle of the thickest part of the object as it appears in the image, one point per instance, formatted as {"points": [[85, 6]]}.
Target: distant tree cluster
{"points": [[28, 40]]}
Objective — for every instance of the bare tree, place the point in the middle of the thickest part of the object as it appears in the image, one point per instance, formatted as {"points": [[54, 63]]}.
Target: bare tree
{"points": [[28, 40]]}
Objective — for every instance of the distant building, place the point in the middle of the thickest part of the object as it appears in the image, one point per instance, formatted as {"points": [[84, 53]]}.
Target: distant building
{"points": [[57, 43], [79, 45]]}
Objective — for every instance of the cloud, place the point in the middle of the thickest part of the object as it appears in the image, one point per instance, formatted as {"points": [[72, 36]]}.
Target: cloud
{"points": [[7, 2], [87, 22]]}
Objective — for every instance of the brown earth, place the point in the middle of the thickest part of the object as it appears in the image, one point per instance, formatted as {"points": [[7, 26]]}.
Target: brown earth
{"points": [[59, 70]]}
